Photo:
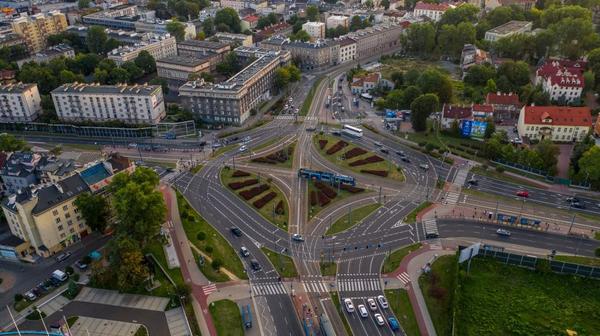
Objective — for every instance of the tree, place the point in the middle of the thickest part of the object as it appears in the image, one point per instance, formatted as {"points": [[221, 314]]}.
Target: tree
{"points": [[83, 4], [578, 151], [385, 4], [301, 35], [516, 74], [101, 76], [589, 167], [94, 209], [559, 13], [394, 99], [455, 128], [452, 38], [282, 78], [87, 63], [490, 86], [421, 108], [208, 27], [398, 79], [162, 82], [312, 13], [134, 71], [127, 263], [177, 29], [419, 38], [464, 13], [95, 40], [548, 153], [433, 81], [43, 76], [201, 36], [118, 75], [229, 17], [230, 65], [355, 23], [67, 76], [409, 95], [490, 128], [146, 62], [111, 44], [295, 73], [8, 143]]}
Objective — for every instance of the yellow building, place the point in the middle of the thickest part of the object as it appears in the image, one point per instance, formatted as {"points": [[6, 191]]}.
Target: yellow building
{"points": [[35, 29]]}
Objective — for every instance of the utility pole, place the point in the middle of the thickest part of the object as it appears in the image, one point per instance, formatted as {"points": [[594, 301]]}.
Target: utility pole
{"points": [[379, 194], [572, 222], [496, 212]]}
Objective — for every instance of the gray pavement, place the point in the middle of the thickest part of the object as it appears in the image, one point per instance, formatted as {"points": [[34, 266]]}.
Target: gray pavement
{"points": [[99, 327], [114, 298]]}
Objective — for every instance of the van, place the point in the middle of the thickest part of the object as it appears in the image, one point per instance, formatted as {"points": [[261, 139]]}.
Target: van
{"points": [[60, 275]]}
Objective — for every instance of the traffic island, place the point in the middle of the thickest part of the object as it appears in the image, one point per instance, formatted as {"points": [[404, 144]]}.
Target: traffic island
{"points": [[355, 158], [283, 264], [259, 193], [226, 317], [322, 195], [328, 268], [351, 219], [281, 158]]}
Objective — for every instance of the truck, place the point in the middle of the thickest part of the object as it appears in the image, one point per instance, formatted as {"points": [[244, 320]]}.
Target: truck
{"points": [[60, 275]]}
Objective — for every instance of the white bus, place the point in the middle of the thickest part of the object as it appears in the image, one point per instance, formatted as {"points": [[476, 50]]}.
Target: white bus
{"points": [[352, 131]]}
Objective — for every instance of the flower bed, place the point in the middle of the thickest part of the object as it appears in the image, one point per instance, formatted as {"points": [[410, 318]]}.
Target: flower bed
{"points": [[337, 147], [351, 189], [279, 208], [242, 184], [313, 198], [327, 190], [323, 199], [370, 159], [354, 152], [240, 173], [382, 173], [264, 160], [250, 193], [264, 200], [322, 144]]}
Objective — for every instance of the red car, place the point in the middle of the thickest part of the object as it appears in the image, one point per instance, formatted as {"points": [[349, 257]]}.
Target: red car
{"points": [[523, 193]]}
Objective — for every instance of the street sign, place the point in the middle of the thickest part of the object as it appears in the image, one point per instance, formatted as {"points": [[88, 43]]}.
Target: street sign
{"points": [[469, 252]]}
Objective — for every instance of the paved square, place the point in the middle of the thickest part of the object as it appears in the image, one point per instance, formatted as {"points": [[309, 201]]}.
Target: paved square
{"points": [[108, 297], [98, 327]]}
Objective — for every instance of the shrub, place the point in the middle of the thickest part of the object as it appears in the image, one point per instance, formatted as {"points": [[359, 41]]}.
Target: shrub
{"points": [[597, 252], [216, 264], [354, 152], [382, 173], [313, 198], [484, 167], [337, 147], [264, 200], [69, 270], [429, 147], [75, 277], [370, 159], [500, 169], [323, 199], [239, 173], [240, 185], [201, 236], [208, 249], [18, 297], [351, 189], [279, 208], [421, 144], [439, 293], [322, 144], [251, 193]]}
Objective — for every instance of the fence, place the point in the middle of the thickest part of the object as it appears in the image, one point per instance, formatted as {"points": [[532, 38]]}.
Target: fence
{"points": [[531, 262], [521, 167]]}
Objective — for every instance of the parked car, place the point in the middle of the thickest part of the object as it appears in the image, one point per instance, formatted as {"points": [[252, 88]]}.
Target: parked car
{"points": [[503, 232], [572, 199], [379, 319], [82, 266], [405, 159], [255, 265], [424, 166], [244, 251], [362, 310], [349, 305], [30, 296], [372, 304], [383, 302], [63, 256], [384, 150], [378, 144], [473, 182], [243, 148], [236, 231], [523, 193], [577, 205], [297, 237], [401, 153]]}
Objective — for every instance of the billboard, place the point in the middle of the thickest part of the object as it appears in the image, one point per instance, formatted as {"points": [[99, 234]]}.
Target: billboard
{"points": [[472, 128], [469, 252]]}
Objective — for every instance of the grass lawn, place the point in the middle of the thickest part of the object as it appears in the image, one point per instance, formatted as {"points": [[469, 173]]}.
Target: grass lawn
{"points": [[392, 261], [142, 331], [335, 297], [389, 65], [498, 299], [328, 268], [400, 305], [394, 172], [491, 172], [193, 224], [227, 318], [267, 143], [268, 211], [438, 288], [210, 273], [356, 216], [597, 235], [71, 320], [314, 210], [166, 288], [288, 151], [309, 98], [253, 126], [579, 260], [196, 169], [20, 305], [283, 264], [164, 164], [224, 149], [412, 216]]}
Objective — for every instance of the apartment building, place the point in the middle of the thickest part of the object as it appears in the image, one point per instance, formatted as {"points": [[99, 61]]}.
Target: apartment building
{"points": [[556, 123], [231, 101], [160, 27], [236, 40], [178, 69], [377, 40], [314, 55], [48, 54], [334, 21], [433, 11], [201, 49], [132, 104], [19, 102], [562, 79], [159, 46], [347, 51], [316, 30], [20, 171], [35, 29], [508, 29], [11, 39], [119, 17]]}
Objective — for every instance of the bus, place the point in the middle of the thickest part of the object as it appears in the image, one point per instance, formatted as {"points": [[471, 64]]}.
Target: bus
{"points": [[247, 316], [352, 131]]}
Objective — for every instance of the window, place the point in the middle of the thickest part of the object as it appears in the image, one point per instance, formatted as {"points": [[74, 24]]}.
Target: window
{"points": [[72, 230], [57, 220], [65, 207], [55, 212], [60, 228]]}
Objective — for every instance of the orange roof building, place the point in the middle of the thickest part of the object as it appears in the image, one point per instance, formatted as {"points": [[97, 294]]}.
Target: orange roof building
{"points": [[556, 123]]}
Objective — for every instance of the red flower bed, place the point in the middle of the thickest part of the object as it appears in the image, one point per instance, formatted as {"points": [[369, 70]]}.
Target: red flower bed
{"points": [[370, 159], [382, 173], [351, 189], [279, 208], [313, 198], [322, 144], [264, 200], [337, 147], [327, 190], [354, 152], [250, 193], [263, 160], [239, 173], [323, 199], [242, 184]]}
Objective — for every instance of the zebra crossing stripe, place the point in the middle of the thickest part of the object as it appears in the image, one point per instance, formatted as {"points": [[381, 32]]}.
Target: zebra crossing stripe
{"points": [[208, 289], [404, 278]]}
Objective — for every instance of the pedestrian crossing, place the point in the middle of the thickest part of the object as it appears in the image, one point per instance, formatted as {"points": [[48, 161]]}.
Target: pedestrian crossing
{"points": [[315, 287], [359, 285], [452, 197], [285, 117], [268, 288], [209, 289], [404, 278]]}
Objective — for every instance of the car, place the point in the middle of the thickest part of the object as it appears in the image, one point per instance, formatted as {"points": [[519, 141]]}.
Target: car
{"points": [[63, 256], [383, 302], [401, 153], [216, 145], [297, 237], [473, 182], [572, 199], [379, 319], [243, 148], [362, 310], [394, 325], [378, 144], [577, 205], [503, 232], [523, 193], [424, 166], [405, 159], [236, 231], [384, 150], [244, 251], [372, 304], [517, 141], [311, 129], [132, 145], [246, 139], [255, 265], [349, 305], [30, 296], [43, 288], [81, 265]]}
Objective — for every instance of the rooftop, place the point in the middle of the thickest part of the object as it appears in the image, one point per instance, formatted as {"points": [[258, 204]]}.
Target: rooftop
{"points": [[16, 88], [558, 115], [442, 7], [510, 27], [142, 90], [49, 197], [456, 112], [186, 60], [500, 98], [203, 44]]}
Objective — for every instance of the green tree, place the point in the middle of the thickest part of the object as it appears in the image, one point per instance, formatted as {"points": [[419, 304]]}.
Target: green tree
{"points": [[312, 13], [282, 78], [589, 167], [295, 73], [421, 108], [549, 153], [464, 13], [83, 4], [94, 209], [557, 14], [101, 76], [479, 75], [385, 4], [516, 74], [580, 148], [43, 76], [433, 81], [230, 65], [490, 129], [146, 62], [96, 38], [355, 23], [162, 82], [301, 35], [111, 44], [87, 63], [134, 71], [177, 29], [490, 86], [67, 76], [229, 17], [208, 27], [452, 39], [455, 128], [409, 95], [419, 39], [118, 75], [394, 99], [8, 143], [127, 263]]}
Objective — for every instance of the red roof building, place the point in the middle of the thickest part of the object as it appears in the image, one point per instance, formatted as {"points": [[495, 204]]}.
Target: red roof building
{"points": [[433, 11], [562, 79], [450, 113], [506, 105], [556, 123], [282, 28]]}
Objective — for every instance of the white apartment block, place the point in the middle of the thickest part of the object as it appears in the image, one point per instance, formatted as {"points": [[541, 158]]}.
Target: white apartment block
{"points": [[347, 51], [508, 29], [562, 79], [132, 104], [337, 20], [19, 102], [159, 46], [315, 29], [433, 11]]}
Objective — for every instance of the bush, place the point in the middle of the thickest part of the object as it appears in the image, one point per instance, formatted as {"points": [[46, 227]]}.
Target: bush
{"points": [[421, 144], [429, 147], [69, 270], [201, 236], [500, 169], [597, 252], [75, 277], [484, 167], [216, 264], [87, 260], [208, 249], [18, 297]]}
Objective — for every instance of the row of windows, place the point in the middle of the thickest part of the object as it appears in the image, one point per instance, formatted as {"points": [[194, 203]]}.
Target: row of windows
{"points": [[557, 129]]}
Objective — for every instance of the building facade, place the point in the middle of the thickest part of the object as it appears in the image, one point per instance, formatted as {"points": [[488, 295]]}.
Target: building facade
{"points": [[46, 55], [433, 11], [20, 171], [178, 70], [347, 51], [19, 102], [376, 40], [160, 46], [35, 29], [334, 21], [236, 40], [132, 104], [508, 29], [316, 30], [314, 55], [562, 79], [201, 49], [555, 123]]}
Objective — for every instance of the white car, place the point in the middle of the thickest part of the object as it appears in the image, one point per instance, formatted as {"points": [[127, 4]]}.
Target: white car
{"points": [[349, 305], [372, 304], [243, 148], [363, 311], [382, 302], [30, 296], [503, 232], [424, 166], [379, 319]]}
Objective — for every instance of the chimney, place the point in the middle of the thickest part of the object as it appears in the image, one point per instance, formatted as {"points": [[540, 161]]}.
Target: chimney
{"points": [[59, 187]]}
